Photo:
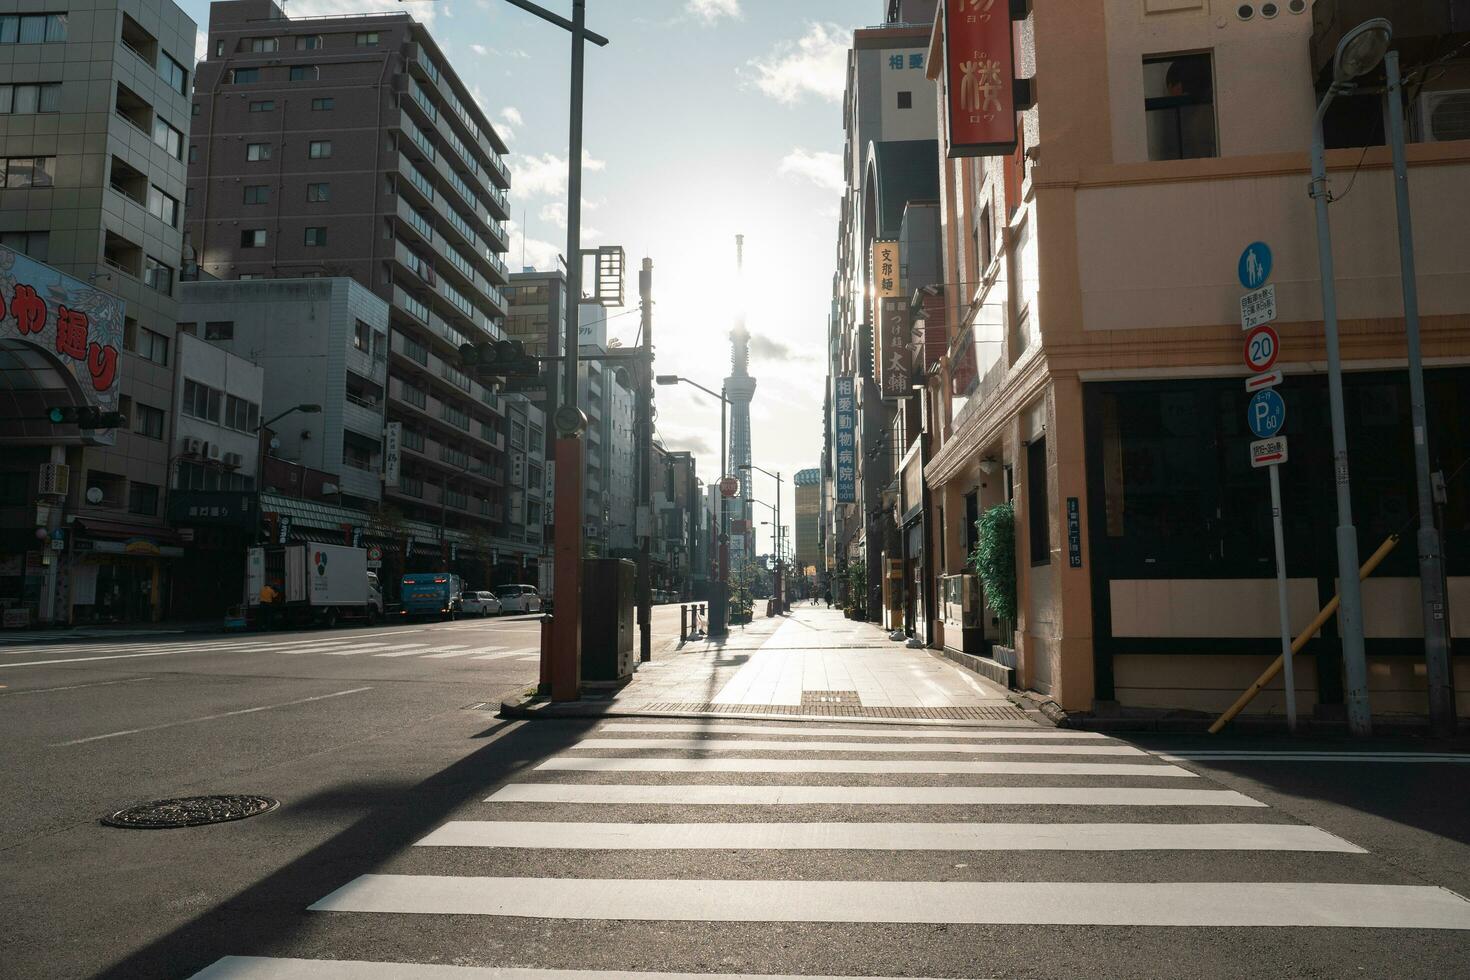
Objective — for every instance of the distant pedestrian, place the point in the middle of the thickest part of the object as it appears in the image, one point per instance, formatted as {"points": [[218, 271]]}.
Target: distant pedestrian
{"points": [[828, 597]]}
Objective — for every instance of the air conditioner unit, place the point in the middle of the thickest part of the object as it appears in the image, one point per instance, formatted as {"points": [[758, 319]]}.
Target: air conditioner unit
{"points": [[1444, 116], [191, 446], [232, 460], [55, 479], [212, 451]]}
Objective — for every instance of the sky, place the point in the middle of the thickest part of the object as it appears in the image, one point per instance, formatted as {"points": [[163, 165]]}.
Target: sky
{"points": [[703, 119]]}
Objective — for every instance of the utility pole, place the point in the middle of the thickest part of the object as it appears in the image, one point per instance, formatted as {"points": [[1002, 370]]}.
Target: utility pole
{"points": [[1431, 563], [644, 441]]}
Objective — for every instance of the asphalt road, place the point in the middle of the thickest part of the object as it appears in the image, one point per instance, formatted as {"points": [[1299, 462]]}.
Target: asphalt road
{"points": [[417, 829]]}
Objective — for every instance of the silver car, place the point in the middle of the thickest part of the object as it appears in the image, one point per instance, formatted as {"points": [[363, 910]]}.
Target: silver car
{"points": [[518, 599], [479, 604]]}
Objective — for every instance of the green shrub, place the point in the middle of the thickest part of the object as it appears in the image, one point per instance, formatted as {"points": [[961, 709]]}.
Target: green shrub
{"points": [[994, 559]]}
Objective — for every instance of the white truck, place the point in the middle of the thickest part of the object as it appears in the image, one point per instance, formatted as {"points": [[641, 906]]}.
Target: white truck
{"points": [[310, 583]]}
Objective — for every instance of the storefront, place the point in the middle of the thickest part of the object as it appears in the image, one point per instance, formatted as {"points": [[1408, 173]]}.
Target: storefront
{"points": [[217, 526], [118, 573]]}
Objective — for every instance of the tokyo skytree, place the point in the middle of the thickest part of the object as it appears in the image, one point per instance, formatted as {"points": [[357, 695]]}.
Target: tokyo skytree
{"points": [[739, 389]]}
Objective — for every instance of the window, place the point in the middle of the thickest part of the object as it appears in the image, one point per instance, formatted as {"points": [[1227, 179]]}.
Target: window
{"points": [[24, 100], [244, 76], [309, 43], [148, 421], [195, 109], [413, 439], [319, 149], [411, 485], [257, 151], [1038, 510], [252, 238], [416, 306], [241, 414], [158, 275], [219, 330], [111, 485], [261, 45], [219, 48], [257, 194], [265, 105], [379, 345], [361, 335], [188, 196], [905, 100], [163, 206], [305, 73], [169, 138], [193, 476], [416, 397], [189, 327], [32, 28], [316, 236], [414, 350], [454, 415], [985, 235], [143, 499], [367, 38], [36, 244], [322, 105], [200, 402], [318, 193], [193, 154], [173, 73], [150, 346], [29, 171], [1179, 107]]}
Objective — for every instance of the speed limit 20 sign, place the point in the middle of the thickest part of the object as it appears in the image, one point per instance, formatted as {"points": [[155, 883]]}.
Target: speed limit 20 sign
{"points": [[1261, 347]]}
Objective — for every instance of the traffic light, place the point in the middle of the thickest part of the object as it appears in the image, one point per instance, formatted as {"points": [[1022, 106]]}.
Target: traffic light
{"points": [[84, 417], [499, 359]]}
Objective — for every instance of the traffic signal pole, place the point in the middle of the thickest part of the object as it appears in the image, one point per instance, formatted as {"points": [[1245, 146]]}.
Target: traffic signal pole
{"points": [[644, 442]]}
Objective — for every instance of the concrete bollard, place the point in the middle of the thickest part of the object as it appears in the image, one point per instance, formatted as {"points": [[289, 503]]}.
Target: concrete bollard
{"points": [[683, 622]]}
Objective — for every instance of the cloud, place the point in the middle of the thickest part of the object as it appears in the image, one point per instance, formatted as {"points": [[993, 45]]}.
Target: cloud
{"points": [[710, 11], [556, 213], [479, 49], [533, 252], [201, 46], [506, 122], [545, 175], [307, 9], [689, 442], [814, 64], [764, 348], [512, 115], [821, 168]]}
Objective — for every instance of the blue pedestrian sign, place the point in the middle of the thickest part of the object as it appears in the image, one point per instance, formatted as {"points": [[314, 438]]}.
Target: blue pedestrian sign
{"points": [[1255, 265], [1266, 413]]}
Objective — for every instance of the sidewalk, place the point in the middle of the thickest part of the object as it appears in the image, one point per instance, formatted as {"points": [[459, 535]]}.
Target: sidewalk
{"points": [[809, 663]]}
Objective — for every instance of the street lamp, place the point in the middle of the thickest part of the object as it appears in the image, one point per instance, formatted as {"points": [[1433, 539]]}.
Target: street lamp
{"points": [[304, 408], [780, 590], [720, 594], [1357, 53]]}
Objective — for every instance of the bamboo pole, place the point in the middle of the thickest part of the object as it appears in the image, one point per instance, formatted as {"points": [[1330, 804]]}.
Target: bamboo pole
{"points": [[1323, 616]]}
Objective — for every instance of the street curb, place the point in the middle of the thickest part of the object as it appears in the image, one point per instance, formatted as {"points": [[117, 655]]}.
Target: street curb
{"points": [[533, 709]]}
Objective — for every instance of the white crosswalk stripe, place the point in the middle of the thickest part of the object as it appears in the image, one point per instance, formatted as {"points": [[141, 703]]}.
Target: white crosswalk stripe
{"points": [[988, 810], [348, 645]]}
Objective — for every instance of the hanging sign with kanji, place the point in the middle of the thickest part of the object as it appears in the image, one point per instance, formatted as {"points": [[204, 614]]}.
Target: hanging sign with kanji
{"points": [[979, 69], [887, 278], [844, 418], [895, 358], [74, 325]]}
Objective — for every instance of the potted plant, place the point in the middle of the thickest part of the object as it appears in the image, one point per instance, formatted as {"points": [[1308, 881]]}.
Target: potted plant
{"points": [[994, 560]]}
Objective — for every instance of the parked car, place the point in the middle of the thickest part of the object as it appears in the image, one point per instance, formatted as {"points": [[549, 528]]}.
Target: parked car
{"points": [[518, 599], [479, 604], [430, 594]]}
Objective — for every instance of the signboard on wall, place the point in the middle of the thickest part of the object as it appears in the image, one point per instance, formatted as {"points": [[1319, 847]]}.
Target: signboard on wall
{"points": [[895, 358], [845, 431], [392, 452], [887, 276], [73, 324], [979, 68]]}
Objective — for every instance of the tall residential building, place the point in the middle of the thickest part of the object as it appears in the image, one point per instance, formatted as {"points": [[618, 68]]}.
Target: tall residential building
{"points": [[808, 484], [92, 167], [347, 146]]}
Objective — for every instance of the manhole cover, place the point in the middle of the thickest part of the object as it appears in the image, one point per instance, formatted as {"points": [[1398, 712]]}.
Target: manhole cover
{"points": [[190, 811]]}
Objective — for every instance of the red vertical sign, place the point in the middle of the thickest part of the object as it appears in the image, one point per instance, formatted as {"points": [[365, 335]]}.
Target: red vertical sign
{"points": [[979, 67]]}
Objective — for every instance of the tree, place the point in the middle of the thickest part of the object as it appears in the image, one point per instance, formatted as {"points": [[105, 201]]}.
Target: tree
{"points": [[994, 560]]}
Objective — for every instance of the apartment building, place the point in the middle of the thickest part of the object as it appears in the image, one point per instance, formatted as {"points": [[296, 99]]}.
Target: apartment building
{"points": [[1093, 376], [95, 107], [347, 146], [808, 489]]}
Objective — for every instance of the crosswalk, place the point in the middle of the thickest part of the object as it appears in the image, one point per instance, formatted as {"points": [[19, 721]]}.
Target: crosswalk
{"points": [[366, 646], [790, 827]]}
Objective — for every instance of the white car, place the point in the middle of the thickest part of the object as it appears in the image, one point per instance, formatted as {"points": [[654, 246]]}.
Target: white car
{"points": [[518, 599], [479, 604]]}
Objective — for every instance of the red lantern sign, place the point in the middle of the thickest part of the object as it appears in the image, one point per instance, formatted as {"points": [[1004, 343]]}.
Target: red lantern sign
{"points": [[979, 69]]}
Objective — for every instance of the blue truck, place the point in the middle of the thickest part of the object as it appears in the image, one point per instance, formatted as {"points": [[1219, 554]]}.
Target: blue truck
{"points": [[430, 594]]}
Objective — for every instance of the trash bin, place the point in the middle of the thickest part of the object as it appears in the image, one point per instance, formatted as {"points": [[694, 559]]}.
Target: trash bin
{"points": [[607, 622]]}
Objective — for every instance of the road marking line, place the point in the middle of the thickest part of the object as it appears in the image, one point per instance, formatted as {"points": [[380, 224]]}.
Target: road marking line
{"points": [[1226, 756], [762, 745], [528, 660], [82, 660], [341, 650], [864, 836], [871, 731], [226, 714], [1267, 904], [75, 687], [502, 654], [727, 795], [895, 766], [264, 968], [451, 652]]}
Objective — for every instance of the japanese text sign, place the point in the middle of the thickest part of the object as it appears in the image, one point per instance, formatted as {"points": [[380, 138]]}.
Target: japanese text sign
{"points": [[887, 277], [845, 431], [75, 324], [895, 359], [979, 68]]}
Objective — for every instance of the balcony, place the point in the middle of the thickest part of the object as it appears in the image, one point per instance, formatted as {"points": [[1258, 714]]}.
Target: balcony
{"points": [[129, 182], [363, 417], [120, 254], [133, 109]]}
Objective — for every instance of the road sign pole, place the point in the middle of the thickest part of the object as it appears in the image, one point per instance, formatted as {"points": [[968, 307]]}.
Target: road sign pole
{"points": [[1281, 602]]}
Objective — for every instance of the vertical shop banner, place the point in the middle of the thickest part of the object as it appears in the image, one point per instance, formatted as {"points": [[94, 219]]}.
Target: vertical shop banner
{"points": [[979, 69], [887, 276], [846, 432], [72, 323], [392, 452], [895, 356]]}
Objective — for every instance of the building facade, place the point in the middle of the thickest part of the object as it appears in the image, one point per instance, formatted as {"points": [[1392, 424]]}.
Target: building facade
{"points": [[1093, 376], [808, 487], [347, 146], [92, 138]]}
